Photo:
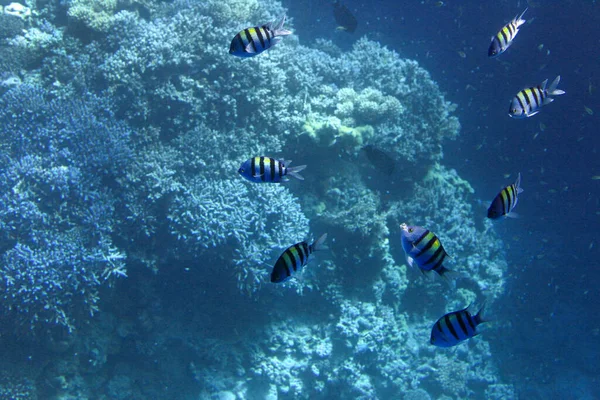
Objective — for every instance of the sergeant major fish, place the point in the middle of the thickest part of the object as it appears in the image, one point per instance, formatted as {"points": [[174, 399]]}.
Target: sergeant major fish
{"points": [[422, 247], [455, 327], [506, 200], [267, 169], [505, 36], [253, 41], [528, 101], [294, 258]]}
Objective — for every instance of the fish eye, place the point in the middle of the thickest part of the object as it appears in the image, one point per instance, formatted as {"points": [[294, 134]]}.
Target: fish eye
{"points": [[410, 230]]}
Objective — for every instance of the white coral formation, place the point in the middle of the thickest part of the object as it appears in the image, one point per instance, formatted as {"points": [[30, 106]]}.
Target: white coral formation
{"points": [[368, 106], [17, 10], [94, 14]]}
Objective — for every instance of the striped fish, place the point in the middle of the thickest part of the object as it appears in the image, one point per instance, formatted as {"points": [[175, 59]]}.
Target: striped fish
{"points": [[456, 327], [253, 41], [423, 248], [506, 200], [505, 36], [267, 169], [294, 258], [528, 101]]}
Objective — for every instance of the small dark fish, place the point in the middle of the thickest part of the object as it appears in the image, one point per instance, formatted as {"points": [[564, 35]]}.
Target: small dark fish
{"points": [[506, 200], [294, 258], [344, 18], [380, 159], [267, 169], [456, 327]]}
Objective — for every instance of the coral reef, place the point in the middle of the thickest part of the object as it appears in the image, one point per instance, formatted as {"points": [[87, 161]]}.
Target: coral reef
{"points": [[57, 209], [17, 388], [442, 203], [94, 14], [126, 161], [232, 216]]}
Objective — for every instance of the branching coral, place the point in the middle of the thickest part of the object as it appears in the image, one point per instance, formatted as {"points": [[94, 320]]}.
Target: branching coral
{"points": [[256, 219], [56, 214], [94, 14]]}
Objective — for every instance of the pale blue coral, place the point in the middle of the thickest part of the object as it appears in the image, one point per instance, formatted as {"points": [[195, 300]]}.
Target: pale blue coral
{"points": [[257, 220], [56, 217]]}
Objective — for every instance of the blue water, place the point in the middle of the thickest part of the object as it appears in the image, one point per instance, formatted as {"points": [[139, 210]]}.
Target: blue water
{"points": [[134, 260]]}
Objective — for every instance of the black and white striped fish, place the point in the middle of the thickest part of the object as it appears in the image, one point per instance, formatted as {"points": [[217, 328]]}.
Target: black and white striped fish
{"points": [[294, 258], [528, 101], [455, 327], [253, 41], [506, 200], [505, 36], [267, 169]]}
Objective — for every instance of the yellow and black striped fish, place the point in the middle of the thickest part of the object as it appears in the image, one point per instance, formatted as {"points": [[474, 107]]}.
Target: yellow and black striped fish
{"points": [[268, 169], [422, 247], [528, 102], [506, 200], [456, 327], [505, 36], [252, 41], [294, 258]]}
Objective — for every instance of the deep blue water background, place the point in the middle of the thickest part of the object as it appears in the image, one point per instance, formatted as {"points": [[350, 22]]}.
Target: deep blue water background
{"points": [[547, 332]]}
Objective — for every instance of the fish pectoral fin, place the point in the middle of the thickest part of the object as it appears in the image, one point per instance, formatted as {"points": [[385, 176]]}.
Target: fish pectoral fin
{"points": [[257, 175], [410, 261], [532, 114], [249, 49], [513, 215]]}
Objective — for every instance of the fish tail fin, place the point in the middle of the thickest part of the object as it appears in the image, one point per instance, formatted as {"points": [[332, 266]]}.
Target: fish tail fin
{"points": [[318, 244], [449, 276], [519, 18], [293, 171], [480, 316], [277, 27], [552, 90], [518, 184]]}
